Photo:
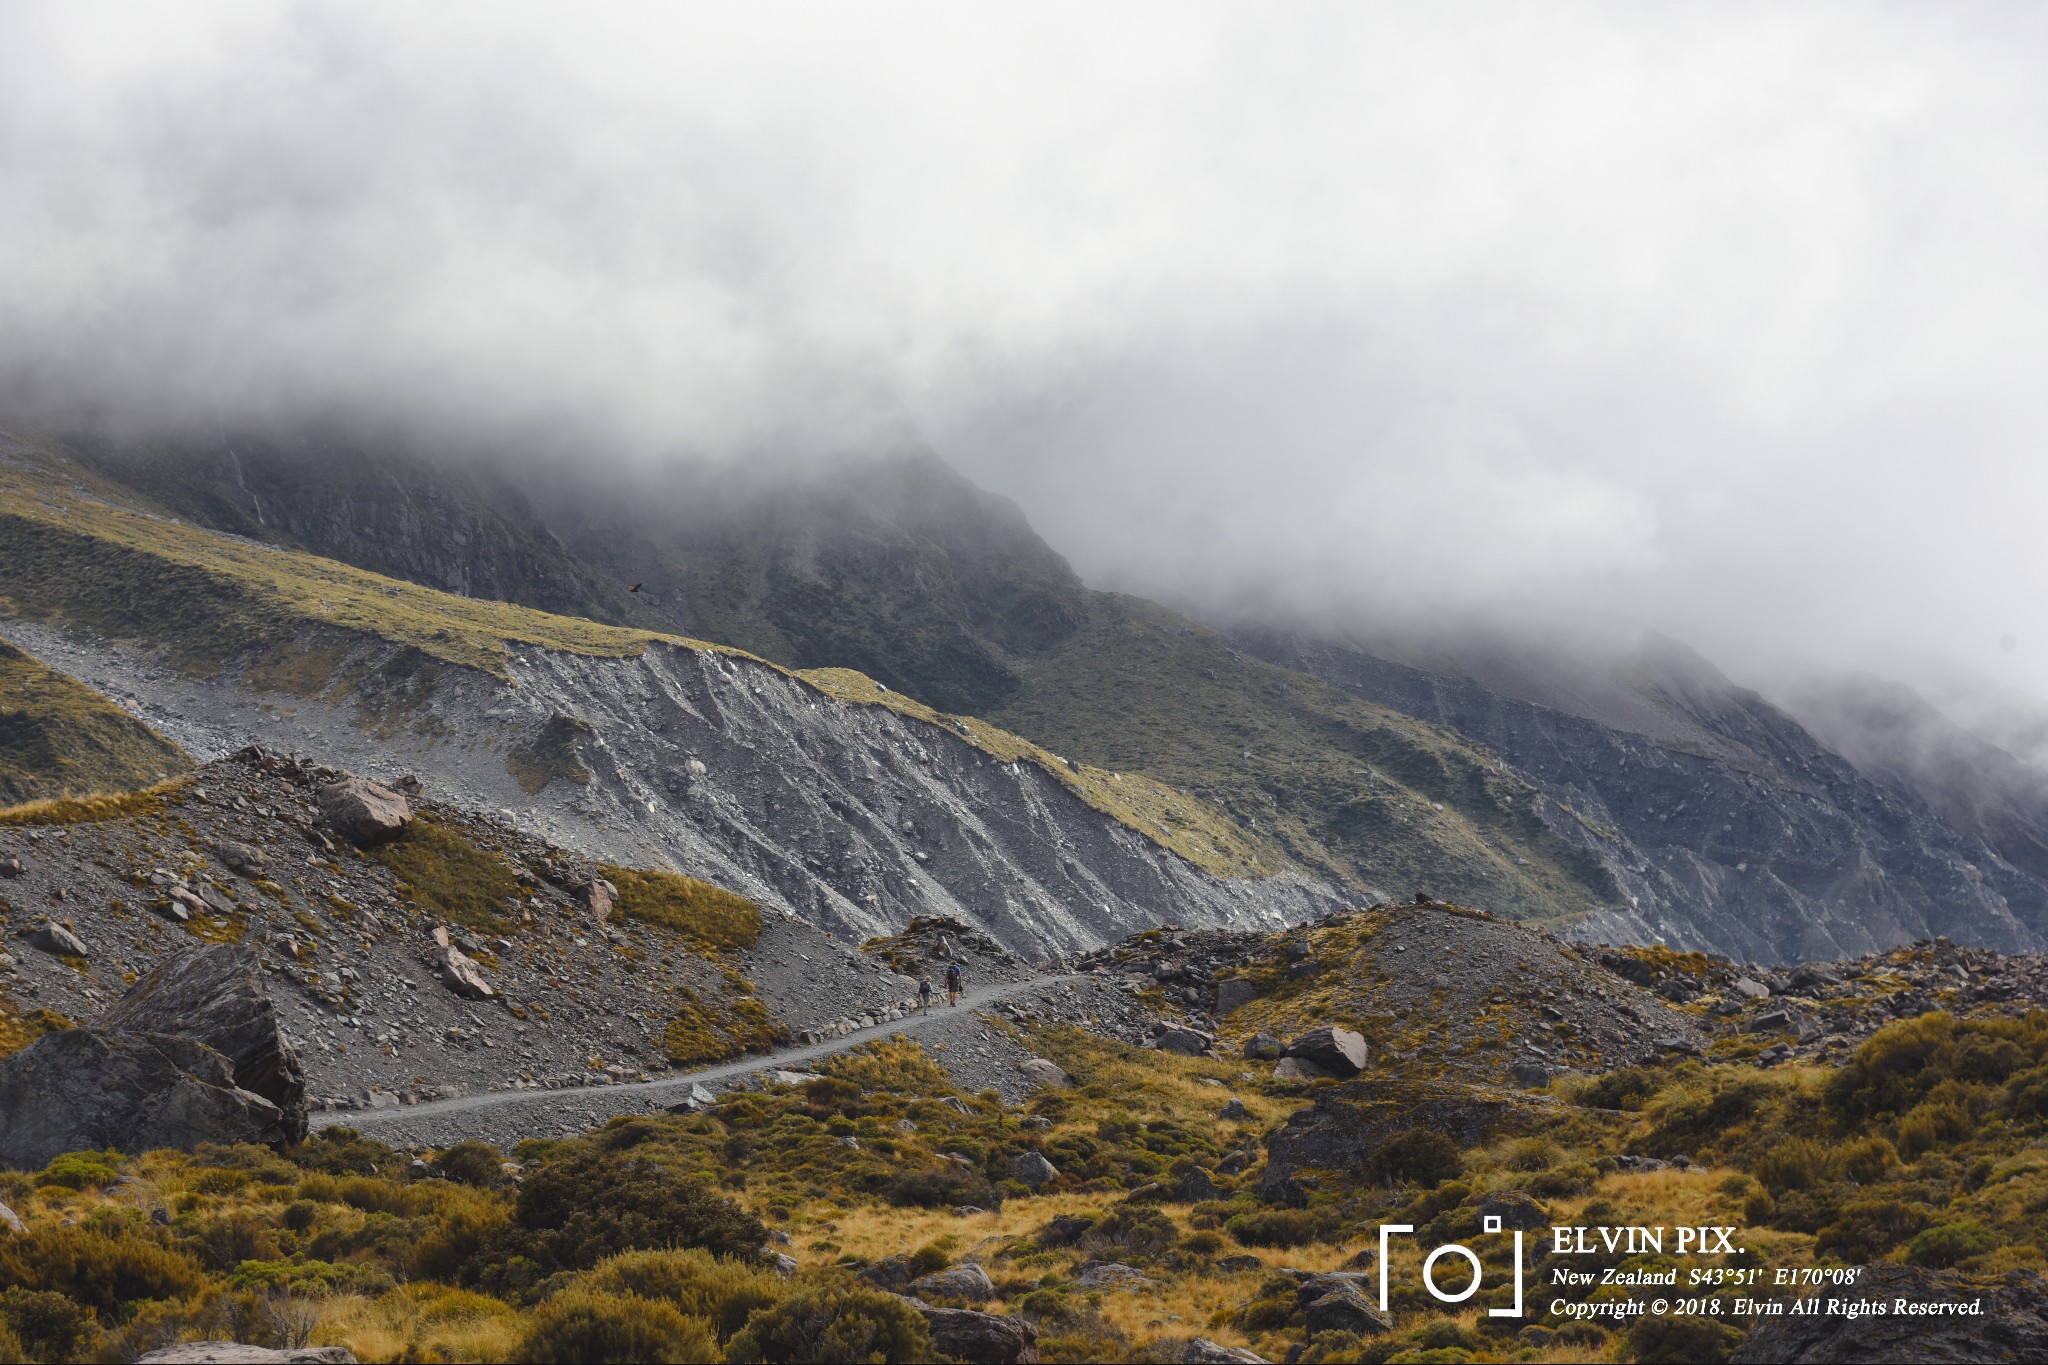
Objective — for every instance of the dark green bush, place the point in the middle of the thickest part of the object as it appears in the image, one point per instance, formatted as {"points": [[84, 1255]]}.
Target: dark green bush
{"points": [[472, 1163], [81, 1170], [344, 1151], [1627, 1087], [579, 1325], [1867, 1229], [101, 1270], [574, 1212], [1681, 1341], [724, 1293], [1948, 1244], [47, 1326], [832, 1324], [1416, 1156], [1133, 1231], [944, 1187], [1274, 1228]]}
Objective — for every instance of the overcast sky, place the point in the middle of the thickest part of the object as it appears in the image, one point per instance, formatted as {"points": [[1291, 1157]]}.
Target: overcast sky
{"points": [[1732, 319]]}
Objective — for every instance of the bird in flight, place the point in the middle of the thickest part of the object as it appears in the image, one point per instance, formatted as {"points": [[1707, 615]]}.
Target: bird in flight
{"points": [[634, 588]]}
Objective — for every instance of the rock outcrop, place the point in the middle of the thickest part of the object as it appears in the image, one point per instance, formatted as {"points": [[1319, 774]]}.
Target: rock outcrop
{"points": [[1347, 1123], [1999, 1319], [192, 1054], [365, 813], [216, 995], [85, 1089], [240, 1353], [987, 1338], [1338, 1051]]}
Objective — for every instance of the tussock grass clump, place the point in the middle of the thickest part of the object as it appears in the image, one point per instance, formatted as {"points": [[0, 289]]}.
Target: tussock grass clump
{"points": [[449, 876], [722, 1292], [79, 810], [60, 738], [18, 1030], [583, 1326], [700, 1033], [709, 916]]}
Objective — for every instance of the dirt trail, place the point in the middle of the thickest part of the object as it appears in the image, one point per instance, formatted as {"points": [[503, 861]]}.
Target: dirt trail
{"points": [[507, 1115]]}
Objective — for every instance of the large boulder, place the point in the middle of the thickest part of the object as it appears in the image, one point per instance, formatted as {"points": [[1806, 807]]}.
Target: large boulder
{"points": [[1338, 1051], [216, 995], [968, 1282], [1343, 1308], [985, 1338], [54, 938], [1032, 1169], [2000, 1319], [1348, 1122], [1046, 1074], [1187, 1042], [461, 974], [88, 1088], [1202, 1351], [366, 813], [1264, 1047]]}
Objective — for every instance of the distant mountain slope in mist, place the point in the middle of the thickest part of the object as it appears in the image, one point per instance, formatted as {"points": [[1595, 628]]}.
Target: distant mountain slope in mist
{"points": [[942, 591], [1648, 798], [1726, 822], [1893, 734]]}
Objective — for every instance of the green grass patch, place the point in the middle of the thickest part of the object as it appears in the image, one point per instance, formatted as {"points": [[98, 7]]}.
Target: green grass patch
{"points": [[710, 917], [60, 738], [449, 876]]}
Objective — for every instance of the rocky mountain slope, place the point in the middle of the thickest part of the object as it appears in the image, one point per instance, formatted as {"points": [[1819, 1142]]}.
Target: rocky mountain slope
{"points": [[61, 738], [823, 794], [905, 571], [1726, 824]]}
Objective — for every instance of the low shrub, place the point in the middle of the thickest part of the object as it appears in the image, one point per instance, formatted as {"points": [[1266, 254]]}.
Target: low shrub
{"points": [[943, 1187], [1790, 1164], [472, 1163], [699, 1285], [100, 1270], [585, 1325], [1947, 1244], [1868, 1229], [834, 1323], [1273, 1228], [574, 1212], [1416, 1156], [81, 1170], [44, 1326], [1676, 1340]]}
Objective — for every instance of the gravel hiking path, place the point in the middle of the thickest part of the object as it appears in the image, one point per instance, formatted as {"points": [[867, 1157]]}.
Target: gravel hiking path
{"points": [[507, 1115]]}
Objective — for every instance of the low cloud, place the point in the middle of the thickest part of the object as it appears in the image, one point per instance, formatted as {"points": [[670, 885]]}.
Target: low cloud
{"points": [[1728, 322]]}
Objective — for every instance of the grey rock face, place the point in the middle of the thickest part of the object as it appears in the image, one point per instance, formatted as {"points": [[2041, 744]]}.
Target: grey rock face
{"points": [[53, 937], [988, 1338], [1299, 1069], [1338, 1051], [1264, 1047], [1343, 1308], [1111, 1275], [2012, 1323], [1233, 1110], [366, 813], [459, 973], [1232, 993], [1347, 1123], [216, 994], [1727, 825], [1517, 1211], [968, 1282], [1044, 1073], [1032, 1169], [1185, 1042], [85, 1088], [1202, 1351]]}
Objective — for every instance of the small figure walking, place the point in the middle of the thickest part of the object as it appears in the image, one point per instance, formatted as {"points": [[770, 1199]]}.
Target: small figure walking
{"points": [[955, 983], [924, 994]]}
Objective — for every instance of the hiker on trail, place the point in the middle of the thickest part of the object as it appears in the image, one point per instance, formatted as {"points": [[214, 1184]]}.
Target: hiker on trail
{"points": [[954, 983], [924, 993]]}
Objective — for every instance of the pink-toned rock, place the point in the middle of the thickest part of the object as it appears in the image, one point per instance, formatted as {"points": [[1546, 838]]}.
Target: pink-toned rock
{"points": [[366, 813]]}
